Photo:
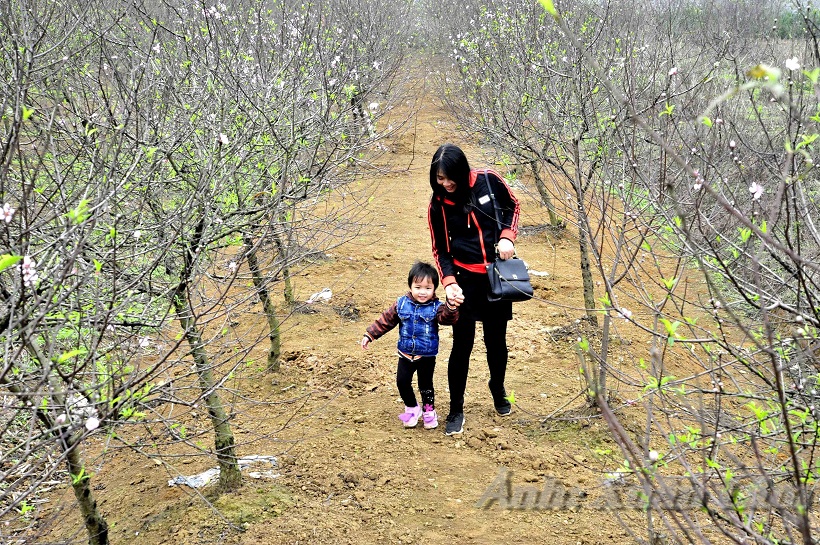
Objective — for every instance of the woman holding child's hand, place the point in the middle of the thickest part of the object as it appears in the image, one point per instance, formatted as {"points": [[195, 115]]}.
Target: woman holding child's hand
{"points": [[465, 239]]}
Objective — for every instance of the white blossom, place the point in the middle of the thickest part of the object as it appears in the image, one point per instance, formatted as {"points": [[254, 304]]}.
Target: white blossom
{"points": [[223, 139], [28, 268], [756, 190], [6, 213], [92, 423], [673, 71], [793, 64]]}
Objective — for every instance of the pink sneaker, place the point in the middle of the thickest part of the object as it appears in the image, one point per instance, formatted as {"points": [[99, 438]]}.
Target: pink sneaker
{"points": [[410, 416], [429, 417]]}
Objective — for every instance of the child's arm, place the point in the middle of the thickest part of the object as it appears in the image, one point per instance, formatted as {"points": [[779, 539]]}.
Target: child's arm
{"points": [[447, 313], [384, 323]]}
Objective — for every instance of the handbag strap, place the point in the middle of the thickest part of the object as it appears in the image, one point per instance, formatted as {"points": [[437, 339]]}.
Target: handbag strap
{"points": [[495, 208]]}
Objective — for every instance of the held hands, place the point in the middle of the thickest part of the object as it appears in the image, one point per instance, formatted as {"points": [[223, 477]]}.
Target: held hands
{"points": [[454, 295], [506, 249]]}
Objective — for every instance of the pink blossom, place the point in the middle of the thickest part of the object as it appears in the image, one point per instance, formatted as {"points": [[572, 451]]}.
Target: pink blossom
{"points": [[673, 71], [625, 312], [756, 190]]}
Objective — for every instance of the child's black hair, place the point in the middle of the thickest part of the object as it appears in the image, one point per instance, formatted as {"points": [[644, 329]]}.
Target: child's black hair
{"points": [[420, 271]]}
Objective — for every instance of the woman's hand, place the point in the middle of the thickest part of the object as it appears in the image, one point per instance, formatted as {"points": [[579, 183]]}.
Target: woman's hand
{"points": [[506, 249], [454, 294]]}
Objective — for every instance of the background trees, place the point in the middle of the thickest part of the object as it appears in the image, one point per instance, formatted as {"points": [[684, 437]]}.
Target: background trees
{"points": [[148, 150], [677, 140], [163, 167]]}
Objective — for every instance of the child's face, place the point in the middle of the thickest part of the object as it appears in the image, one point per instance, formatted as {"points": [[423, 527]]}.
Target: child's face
{"points": [[422, 289]]}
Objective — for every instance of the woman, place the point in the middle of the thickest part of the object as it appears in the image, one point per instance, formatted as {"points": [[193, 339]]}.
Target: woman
{"points": [[465, 239]]}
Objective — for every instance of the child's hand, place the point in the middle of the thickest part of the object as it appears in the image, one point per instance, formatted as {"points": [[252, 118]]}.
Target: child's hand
{"points": [[455, 302], [365, 342]]}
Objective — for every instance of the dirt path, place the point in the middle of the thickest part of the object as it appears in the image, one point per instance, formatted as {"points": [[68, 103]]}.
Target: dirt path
{"points": [[350, 473], [358, 476]]}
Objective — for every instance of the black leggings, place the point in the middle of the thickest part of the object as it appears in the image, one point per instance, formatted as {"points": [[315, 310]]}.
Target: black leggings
{"points": [[495, 340], [404, 380]]}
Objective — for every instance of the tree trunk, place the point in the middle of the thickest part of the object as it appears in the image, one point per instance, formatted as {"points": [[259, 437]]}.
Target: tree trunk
{"points": [[555, 221], [583, 239], [81, 483], [275, 350], [601, 385], [282, 249], [229, 476]]}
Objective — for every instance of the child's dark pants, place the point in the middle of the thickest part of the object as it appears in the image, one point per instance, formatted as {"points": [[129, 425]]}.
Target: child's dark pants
{"points": [[404, 380]]}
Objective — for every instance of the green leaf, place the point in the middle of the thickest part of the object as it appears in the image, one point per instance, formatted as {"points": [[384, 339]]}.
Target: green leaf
{"points": [[65, 356], [511, 396], [98, 265], [8, 260], [669, 283], [549, 7], [27, 113], [813, 75], [79, 214], [706, 121]]}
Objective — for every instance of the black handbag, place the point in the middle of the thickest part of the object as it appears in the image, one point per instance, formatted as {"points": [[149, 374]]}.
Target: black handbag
{"points": [[509, 279]]}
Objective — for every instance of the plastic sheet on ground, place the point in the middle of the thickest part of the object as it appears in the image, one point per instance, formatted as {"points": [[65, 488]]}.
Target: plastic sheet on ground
{"points": [[324, 295], [261, 466]]}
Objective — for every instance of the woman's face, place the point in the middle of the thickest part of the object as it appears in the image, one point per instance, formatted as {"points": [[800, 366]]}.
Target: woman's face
{"points": [[445, 182]]}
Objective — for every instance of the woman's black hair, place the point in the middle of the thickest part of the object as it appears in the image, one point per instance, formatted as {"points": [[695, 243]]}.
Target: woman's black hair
{"points": [[451, 161], [420, 271]]}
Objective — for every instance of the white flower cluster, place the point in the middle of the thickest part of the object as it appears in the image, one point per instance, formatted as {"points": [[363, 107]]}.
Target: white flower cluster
{"points": [[29, 271], [6, 213], [214, 11], [78, 407]]}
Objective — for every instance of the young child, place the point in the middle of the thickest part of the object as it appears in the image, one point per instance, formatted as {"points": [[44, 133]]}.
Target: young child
{"points": [[418, 315]]}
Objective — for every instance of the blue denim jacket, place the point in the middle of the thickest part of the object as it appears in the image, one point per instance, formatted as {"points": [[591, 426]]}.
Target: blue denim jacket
{"points": [[418, 324], [418, 328]]}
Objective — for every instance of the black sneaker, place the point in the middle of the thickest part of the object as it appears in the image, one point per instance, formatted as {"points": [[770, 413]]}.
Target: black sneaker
{"points": [[504, 409], [454, 424], [502, 405]]}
